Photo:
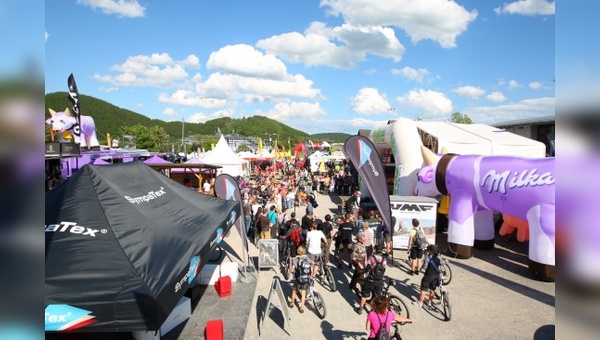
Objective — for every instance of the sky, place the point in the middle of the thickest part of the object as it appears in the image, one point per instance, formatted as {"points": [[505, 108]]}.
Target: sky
{"points": [[316, 65]]}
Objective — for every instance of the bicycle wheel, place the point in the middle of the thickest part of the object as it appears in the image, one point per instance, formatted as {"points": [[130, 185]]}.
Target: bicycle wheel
{"points": [[319, 305], [446, 272], [330, 279], [446, 305], [398, 306], [215, 255]]}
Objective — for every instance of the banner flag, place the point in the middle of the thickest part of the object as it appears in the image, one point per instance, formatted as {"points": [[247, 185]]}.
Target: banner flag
{"points": [[363, 155], [227, 188], [74, 98]]}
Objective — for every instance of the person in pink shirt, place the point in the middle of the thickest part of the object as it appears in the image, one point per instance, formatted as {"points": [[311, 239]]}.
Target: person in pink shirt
{"points": [[380, 314]]}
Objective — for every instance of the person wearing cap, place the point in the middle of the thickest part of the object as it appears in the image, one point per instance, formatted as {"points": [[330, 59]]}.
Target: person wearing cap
{"points": [[429, 282]]}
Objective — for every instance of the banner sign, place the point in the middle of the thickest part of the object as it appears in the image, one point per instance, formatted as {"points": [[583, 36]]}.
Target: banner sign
{"points": [[363, 155], [52, 150], [226, 187], [70, 150], [404, 210], [74, 98]]}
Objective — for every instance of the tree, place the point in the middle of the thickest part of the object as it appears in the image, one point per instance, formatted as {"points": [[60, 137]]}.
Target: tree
{"points": [[460, 118], [153, 139], [243, 147]]}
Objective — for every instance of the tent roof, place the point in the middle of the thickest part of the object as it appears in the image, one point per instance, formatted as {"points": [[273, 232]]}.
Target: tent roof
{"points": [[156, 160], [123, 242], [480, 139], [222, 154]]}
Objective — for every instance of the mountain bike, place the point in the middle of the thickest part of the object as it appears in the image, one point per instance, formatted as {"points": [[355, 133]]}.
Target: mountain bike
{"points": [[286, 262], [324, 270], [444, 268], [444, 297], [396, 330], [397, 304], [316, 299]]}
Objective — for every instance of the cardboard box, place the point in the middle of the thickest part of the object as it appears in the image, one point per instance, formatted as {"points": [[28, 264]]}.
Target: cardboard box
{"points": [[146, 335], [230, 269], [209, 274], [181, 312]]}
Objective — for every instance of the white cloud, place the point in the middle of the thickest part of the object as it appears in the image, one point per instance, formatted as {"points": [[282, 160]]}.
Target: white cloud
{"points": [[244, 60], [513, 84], [109, 89], [295, 111], [169, 111], [369, 101], [189, 98], [156, 70], [535, 107], [535, 85], [439, 20], [527, 7], [200, 117], [341, 47], [470, 92], [428, 103], [496, 97], [411, 73], [46, 35], [122, 8]]}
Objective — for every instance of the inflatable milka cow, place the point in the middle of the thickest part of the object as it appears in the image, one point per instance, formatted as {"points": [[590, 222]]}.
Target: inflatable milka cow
{"points": [[519, 187], [63, 122]]}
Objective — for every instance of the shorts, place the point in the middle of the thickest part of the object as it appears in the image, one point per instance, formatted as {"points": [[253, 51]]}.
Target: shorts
{"points": [[314, 257], [300, 285], [416, 253], [370, 288], [345, 245], [293, 250], [428, 283]]}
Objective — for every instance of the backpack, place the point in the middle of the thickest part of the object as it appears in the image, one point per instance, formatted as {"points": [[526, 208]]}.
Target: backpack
{"points": [[378, 270], [296, 237], [419, 239], [382, 333], [439, 278], [303, 270]]}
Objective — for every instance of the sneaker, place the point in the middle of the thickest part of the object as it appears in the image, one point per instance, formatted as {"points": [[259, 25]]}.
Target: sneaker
{"points": [[358, 310], [417, 303], [301, 309], [411, 273], [291, 305]]}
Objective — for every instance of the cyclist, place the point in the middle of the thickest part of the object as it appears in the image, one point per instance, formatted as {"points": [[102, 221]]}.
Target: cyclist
{"points": [[373, 284], [313, 242], [381, 314], [301, 278], [431, 277]]}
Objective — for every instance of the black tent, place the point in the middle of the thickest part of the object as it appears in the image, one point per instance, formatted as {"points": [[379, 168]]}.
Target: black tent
{"points": [[123, 242]]}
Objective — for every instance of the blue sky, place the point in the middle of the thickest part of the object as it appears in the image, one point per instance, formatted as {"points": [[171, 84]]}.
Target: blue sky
{"points": [[318, 66]]}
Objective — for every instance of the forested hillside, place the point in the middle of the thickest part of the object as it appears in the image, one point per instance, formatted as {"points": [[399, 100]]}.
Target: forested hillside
{"points": [[110, 118]]}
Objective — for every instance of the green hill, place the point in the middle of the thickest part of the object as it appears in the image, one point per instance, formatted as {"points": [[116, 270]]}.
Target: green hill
{"points": [[110, 118], [331, 137]]}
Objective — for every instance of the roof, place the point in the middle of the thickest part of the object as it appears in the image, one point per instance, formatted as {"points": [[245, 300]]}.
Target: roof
{"points": [[527, 121]]}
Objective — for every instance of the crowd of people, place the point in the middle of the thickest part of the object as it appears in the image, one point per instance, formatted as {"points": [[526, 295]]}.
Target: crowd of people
{"points": [[282, 205]]}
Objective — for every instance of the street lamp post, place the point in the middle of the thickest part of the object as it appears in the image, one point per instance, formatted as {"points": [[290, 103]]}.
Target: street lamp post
{"points": [[182, 133]]}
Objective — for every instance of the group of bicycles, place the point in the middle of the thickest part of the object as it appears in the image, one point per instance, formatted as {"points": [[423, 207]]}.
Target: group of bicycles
{"points": [[325, 278]]}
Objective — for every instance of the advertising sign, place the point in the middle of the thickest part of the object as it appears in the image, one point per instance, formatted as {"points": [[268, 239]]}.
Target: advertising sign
{"points": [[70, 150], [404, 209]]}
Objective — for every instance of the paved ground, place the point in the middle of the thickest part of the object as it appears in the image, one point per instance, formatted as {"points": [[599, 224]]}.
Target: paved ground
{"points": [[493, 297]]}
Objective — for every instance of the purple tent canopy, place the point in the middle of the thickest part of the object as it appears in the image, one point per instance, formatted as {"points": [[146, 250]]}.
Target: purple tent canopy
{"points": [[156, 160], [100, 161]]}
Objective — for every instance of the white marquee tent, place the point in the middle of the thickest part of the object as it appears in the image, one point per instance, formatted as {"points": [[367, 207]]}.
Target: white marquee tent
{"points": [[223, 155]]}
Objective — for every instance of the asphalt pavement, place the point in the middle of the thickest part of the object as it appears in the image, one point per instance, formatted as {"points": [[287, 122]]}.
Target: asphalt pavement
{"points": [[493, 296]]}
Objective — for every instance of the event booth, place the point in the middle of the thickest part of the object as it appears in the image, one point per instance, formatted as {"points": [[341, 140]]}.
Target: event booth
{"points": [[123, 243]]}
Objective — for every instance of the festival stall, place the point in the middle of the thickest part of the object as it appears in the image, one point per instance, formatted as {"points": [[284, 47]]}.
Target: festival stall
{"points": [[123, 244], [223, 155]]}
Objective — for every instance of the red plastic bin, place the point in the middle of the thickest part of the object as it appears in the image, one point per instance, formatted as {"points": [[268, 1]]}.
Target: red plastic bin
{"points": [[223, 286], [214, 330]]}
